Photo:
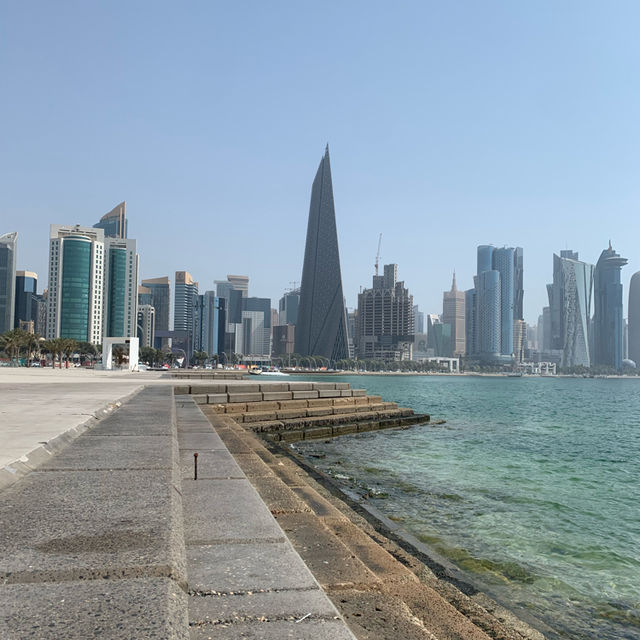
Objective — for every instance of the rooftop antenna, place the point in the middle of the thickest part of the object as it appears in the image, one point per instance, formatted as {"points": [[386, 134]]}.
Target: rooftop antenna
{"points": [[378, 254]]}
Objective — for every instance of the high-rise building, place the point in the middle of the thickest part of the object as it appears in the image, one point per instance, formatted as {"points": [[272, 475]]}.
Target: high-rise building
{"points": [[26, 307], [384, 324], [209, 323], [120, 312], [160, 290], [499, 303], [634, 318], [256, 326], [232, 290], [418, 320], [470, 308], [438, 336], [607, 307], [284, 337], [519, 339], [288, 307], [8, 247], [453, 313], [322, 320], [76, 283], [114, 223], [146, 325], [186, 288], [566, 319]]}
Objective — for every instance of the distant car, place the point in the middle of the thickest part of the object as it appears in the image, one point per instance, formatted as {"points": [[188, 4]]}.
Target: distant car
{"points": [[34, 364]]}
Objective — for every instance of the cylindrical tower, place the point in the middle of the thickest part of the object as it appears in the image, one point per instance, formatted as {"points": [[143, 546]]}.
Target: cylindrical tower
{"points": [[75, 290]]}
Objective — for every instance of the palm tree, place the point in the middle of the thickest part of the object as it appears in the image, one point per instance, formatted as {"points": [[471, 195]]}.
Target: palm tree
{"points": [[12, 341], [32, 343], [68, 346]]}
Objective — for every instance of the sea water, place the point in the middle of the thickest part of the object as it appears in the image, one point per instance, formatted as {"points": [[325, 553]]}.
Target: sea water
{"points": [[531, 487]]}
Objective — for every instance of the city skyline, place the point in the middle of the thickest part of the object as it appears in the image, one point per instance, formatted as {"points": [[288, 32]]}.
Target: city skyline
{"points": [[534, 149]]}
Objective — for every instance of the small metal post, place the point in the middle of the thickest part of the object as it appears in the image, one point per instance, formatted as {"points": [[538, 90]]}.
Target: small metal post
{"points": [[195, 466]]}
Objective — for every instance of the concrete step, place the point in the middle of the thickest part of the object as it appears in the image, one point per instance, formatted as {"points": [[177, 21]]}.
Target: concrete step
{"points": [[270, 405], [250, 386], [275, 413]]}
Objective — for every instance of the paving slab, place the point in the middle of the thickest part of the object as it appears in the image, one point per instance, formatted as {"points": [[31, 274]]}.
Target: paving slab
{"points": [[200, 440], [260, 604], [308, 629], [279, 497], [247, 567], [77, 525], [226, 510], [212, 463], [116, 452], [110, 609]]}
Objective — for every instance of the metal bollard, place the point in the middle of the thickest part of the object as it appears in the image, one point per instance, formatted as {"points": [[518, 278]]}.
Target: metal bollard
{"points": [[195, 466]]}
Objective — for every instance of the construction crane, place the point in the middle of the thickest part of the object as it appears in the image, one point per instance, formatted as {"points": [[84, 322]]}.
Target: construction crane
{"points": [[378, 254]]}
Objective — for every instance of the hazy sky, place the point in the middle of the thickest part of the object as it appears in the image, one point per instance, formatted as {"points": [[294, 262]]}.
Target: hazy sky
{"points": [[450, 124]]}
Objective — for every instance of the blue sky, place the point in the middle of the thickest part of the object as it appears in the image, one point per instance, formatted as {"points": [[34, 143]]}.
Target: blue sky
{"points": [[450, 124]]}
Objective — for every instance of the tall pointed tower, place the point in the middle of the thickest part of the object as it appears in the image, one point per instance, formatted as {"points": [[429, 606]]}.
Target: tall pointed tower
{"points": [[453, 313], [322, 323]]}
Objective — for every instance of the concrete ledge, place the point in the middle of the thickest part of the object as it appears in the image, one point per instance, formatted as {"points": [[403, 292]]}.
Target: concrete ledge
{"points": [[244, 397]]}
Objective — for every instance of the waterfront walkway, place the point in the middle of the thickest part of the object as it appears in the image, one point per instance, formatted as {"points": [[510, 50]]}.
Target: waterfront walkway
{"points": [[105, 532]]}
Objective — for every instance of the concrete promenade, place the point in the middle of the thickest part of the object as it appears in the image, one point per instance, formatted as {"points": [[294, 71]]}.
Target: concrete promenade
{"points": [[106, 533]]}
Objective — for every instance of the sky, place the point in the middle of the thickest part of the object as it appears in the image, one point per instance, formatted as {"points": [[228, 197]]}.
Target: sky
{"points": [[450, 124]]}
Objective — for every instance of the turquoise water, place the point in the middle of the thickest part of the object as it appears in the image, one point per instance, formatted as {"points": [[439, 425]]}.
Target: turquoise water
{"points": [[532, 487]]}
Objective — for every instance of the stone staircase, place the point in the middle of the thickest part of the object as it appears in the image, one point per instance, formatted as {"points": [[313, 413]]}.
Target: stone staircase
{"points": [[291, 411]]}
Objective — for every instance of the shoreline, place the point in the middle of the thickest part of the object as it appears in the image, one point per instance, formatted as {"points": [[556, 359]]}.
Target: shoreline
{"points": [[516, 619]]}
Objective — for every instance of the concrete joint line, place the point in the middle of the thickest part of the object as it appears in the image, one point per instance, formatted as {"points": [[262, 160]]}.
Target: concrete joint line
{"points": [[221, 541], [205, 593], [229, 622]]}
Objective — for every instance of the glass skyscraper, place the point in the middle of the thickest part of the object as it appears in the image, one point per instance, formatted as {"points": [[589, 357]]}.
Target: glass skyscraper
{"points": [[569, 311], [499, 298], [634, 318], [322, 319], [160, 291], [76, 278], [114, 223], [608, 312], [26, 308], [8, 246]]}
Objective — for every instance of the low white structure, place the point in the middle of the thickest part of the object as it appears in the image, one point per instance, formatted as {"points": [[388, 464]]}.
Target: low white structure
{"points": [[107, 352]]}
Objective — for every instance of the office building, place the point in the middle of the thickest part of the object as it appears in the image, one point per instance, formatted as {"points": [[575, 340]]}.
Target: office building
{"points": [[209, 323], [186, 290], [453, 314], [120, 312], [322, 320], [160, 291], [26, 300], [607, 309], [284, 337], [566, 320], [288, 307], [76, 283], [418, 320], [146, 325], [470, 324], [256, 327], [634, 318], [439, 341], [8, 249], [384, 323], [114, 223], [499, 295], [232, 290]]}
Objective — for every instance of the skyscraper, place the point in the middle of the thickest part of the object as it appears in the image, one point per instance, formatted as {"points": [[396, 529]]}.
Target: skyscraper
{"points": [[499, 302], [160, 291], [384, 322], [186, 288], [566, 320], [634, 318], [607, 316], [8, 246], [146, 325], [26, 307], [114, 223], [322, 319], [288, 307], [453, 313], [76, 281], [120, 312]]}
